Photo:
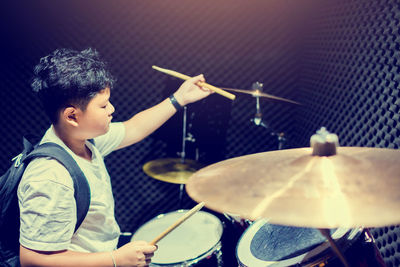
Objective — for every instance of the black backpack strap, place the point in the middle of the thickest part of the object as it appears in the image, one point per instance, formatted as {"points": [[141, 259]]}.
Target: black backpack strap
{"points": [[81, 186]]}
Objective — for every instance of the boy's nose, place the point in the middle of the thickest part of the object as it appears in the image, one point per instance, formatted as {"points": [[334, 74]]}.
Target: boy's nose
{"points": [[112, 109]]}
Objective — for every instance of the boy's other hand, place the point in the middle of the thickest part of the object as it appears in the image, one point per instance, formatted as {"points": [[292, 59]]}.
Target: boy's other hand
{"points": [[134, 254]]}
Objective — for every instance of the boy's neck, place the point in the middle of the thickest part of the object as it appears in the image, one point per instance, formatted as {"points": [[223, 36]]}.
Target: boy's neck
{"points": [[77, 146]]}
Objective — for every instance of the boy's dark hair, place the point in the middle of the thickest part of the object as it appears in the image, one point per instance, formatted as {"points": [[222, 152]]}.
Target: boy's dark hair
{"points": [[69, 78]]}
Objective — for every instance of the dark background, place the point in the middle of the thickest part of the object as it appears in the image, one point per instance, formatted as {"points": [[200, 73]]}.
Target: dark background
{"points": [[340, 59]]}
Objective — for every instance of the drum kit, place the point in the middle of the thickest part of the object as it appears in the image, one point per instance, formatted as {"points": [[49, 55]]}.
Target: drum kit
{"points": [[306, 206]]}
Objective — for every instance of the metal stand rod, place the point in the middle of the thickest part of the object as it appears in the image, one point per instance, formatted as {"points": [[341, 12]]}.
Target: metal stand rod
{"points": [[181, 186], [183, 153], [326, 233], [258, 111], [259, 122]]}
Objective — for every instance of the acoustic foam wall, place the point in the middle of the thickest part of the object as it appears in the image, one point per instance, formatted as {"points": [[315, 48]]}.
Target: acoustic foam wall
{"points": [[350, 83], [339, 58]]}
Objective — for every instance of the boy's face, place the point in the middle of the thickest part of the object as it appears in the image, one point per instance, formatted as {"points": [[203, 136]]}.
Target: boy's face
{"points": [[95, 120]]}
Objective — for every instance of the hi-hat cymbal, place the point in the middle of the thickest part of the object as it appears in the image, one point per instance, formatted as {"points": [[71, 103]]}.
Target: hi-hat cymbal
{"points": [[258, 93], [357, 187], [171, 170]]}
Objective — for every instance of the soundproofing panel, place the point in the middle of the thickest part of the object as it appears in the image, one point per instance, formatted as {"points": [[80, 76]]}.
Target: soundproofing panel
{"points": [[340, 59], [350, 83]]}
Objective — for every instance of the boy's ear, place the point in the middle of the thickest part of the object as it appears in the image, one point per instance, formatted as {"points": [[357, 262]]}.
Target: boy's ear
{"points": [[69, 115]]}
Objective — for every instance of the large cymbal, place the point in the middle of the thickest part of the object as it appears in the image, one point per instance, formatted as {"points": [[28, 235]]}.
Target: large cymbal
{"points": [[171, 170], [258, 93], [357, 187]]}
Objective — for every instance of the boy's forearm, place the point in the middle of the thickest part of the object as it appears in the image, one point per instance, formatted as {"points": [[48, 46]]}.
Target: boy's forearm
{"points": [[64, 259], [146, 122]]}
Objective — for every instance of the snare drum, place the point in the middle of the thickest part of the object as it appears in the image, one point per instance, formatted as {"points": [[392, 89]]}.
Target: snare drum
{"points": [[264, 244], [194, 242]]}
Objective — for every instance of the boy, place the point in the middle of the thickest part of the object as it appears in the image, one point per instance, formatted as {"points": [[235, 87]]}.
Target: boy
{"points": [[74, 88]]}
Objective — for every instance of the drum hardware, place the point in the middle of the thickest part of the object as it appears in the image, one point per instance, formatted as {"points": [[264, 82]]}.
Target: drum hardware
{"points": [[324, 145], [321, 187], [256, 92], [258, 87], [237, 220], [187, 136], [281, 140], [339, 253], [175, 170], [183, 153]]}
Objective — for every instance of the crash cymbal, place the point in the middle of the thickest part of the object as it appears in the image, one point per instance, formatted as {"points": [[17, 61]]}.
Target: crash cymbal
{"points": [[358, 186], [258, 93], [171, 170]]}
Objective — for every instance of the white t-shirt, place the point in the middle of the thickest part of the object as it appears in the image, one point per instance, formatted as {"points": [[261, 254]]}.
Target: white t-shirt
{"points": [[47, 203]]}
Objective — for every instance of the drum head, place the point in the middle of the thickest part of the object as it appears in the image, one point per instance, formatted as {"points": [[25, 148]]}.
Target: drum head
{"points": [[195, 237], [264, 244]]}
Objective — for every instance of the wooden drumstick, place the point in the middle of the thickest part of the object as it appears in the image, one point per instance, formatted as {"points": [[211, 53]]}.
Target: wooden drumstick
{"points": [[202, 84], [177, 223]]}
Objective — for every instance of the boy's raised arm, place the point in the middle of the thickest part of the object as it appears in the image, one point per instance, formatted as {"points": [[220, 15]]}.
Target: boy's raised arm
{"points": [[146, 122]]}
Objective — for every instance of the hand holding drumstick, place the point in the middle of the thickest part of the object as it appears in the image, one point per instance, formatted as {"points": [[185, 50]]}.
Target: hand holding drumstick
{"points": [[199, 83], [139, 253]]}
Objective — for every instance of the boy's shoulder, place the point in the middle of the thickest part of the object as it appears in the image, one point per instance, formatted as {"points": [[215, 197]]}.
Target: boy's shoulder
{"points": [[46, 170], [40, 170]]}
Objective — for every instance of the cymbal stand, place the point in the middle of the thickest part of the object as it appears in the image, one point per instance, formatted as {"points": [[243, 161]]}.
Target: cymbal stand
{"points": [[326, 233], [259, 121], [182, 154], [324, 144], [281, 139]]}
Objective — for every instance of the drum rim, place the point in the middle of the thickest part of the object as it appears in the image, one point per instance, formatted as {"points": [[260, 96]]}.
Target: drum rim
{"points": [[210, 251], [216, 247], [305, 257]]}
